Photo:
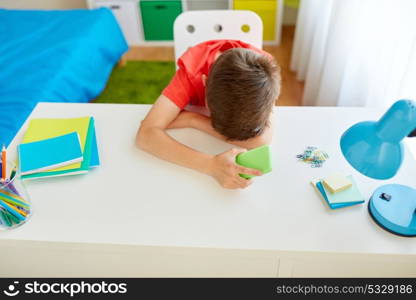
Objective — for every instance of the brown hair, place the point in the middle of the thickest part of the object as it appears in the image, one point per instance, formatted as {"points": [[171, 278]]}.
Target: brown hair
{"points": [[242, 87]]}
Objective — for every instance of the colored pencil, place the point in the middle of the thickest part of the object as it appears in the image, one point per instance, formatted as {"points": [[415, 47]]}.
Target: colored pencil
{"points": [[23, 213], [13, 201], [12, 210], [13, 219], [10, 193], [13, 173], [5, 219], [3, 163], [10, 187]]}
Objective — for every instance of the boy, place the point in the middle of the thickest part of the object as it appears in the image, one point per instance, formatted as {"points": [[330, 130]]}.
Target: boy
{"points": [[239, 85]]}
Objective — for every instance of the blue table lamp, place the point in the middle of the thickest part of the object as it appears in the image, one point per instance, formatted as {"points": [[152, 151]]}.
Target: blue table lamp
{"points": [[375, 149]]}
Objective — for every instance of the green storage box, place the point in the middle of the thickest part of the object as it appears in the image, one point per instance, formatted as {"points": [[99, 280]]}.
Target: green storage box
{"points": [[158, 18]]}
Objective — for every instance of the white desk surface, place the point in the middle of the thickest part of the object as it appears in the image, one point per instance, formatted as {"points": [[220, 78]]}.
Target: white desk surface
{"points": [[136, 199]]}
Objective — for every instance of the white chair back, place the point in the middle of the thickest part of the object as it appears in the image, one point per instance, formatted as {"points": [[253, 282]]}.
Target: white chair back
{"points": [[193, 27]]}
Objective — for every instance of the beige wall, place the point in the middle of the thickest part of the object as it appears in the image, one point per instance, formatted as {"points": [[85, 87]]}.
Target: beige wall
{"points": [[290, 15], [43, 4]]}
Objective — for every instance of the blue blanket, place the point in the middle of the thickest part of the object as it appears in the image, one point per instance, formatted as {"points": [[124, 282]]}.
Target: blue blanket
{"points": [[53, 56]]}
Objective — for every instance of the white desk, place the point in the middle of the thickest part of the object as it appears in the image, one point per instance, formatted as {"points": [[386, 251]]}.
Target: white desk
{"points": [[136, 215]]}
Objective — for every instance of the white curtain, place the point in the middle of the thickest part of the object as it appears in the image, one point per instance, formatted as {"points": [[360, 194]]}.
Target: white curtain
{"points": [[356, 52]]}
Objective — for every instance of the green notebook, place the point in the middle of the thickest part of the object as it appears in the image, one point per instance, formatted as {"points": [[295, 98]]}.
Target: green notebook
{"points": [[40, 129], [258, 158]]}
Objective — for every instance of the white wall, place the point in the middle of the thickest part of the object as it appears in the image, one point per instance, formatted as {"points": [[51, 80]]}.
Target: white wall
{"points": [[43, 4], [289, 17]]}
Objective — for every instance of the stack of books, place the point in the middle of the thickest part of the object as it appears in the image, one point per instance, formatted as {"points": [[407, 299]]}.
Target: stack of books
{"points": [[58, 147]]}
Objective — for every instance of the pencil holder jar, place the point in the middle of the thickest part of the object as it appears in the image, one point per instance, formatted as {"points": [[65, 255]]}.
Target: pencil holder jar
{"points": [[15, 206]]}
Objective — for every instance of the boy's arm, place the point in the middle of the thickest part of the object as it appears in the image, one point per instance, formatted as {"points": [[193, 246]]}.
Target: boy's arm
{"points": [[152, 137], [203, 123]]}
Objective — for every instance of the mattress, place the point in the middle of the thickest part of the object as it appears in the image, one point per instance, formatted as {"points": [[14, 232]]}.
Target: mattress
{"points": [[53, 56]]}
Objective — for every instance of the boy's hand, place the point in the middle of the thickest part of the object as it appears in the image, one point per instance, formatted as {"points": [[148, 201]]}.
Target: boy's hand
{"points": [[225, 170]]}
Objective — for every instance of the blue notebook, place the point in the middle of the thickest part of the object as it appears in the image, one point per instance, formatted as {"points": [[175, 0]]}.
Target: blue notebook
{"points": [[50, 153], [95, 157], [348, 197]]}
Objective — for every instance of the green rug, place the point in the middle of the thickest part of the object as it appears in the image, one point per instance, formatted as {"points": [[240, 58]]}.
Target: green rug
{"points": [[138, 82]]}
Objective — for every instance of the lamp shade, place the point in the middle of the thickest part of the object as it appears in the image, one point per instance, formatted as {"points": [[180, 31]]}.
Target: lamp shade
{"points": [[375, 149]]}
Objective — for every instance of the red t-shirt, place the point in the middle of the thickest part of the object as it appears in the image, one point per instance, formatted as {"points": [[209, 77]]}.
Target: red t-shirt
{"points": [[186, 86]]}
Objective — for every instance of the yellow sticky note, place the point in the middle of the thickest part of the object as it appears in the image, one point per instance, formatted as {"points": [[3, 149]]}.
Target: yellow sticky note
{"points": [[40, 129], [336, 183]]}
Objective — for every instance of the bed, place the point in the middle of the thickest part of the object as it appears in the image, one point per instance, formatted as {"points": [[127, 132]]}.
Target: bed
{"points": [[53, 56]]}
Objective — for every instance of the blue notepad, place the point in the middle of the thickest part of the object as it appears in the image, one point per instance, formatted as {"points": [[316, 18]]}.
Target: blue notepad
{"points": [[348, 197], [50, 153]]}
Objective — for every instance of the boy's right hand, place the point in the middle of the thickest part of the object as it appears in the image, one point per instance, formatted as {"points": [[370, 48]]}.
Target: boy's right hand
{"points": [[225, 170]]}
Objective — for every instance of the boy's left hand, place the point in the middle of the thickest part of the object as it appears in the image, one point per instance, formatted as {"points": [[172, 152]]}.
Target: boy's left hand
{"points": [[225, 170]]}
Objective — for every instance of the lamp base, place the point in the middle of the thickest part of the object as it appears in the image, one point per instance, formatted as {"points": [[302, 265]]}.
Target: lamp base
{"points": [[393, 207]]}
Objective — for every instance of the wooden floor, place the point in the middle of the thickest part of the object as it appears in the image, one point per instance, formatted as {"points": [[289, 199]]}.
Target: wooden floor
{"points": [[291, 91]]}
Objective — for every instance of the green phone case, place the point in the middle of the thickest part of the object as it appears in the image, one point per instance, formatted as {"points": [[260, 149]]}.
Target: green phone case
{"points": [[258, 158]]}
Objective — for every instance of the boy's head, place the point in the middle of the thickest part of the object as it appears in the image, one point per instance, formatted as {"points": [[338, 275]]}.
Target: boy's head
{"points": [[241, 90]]}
